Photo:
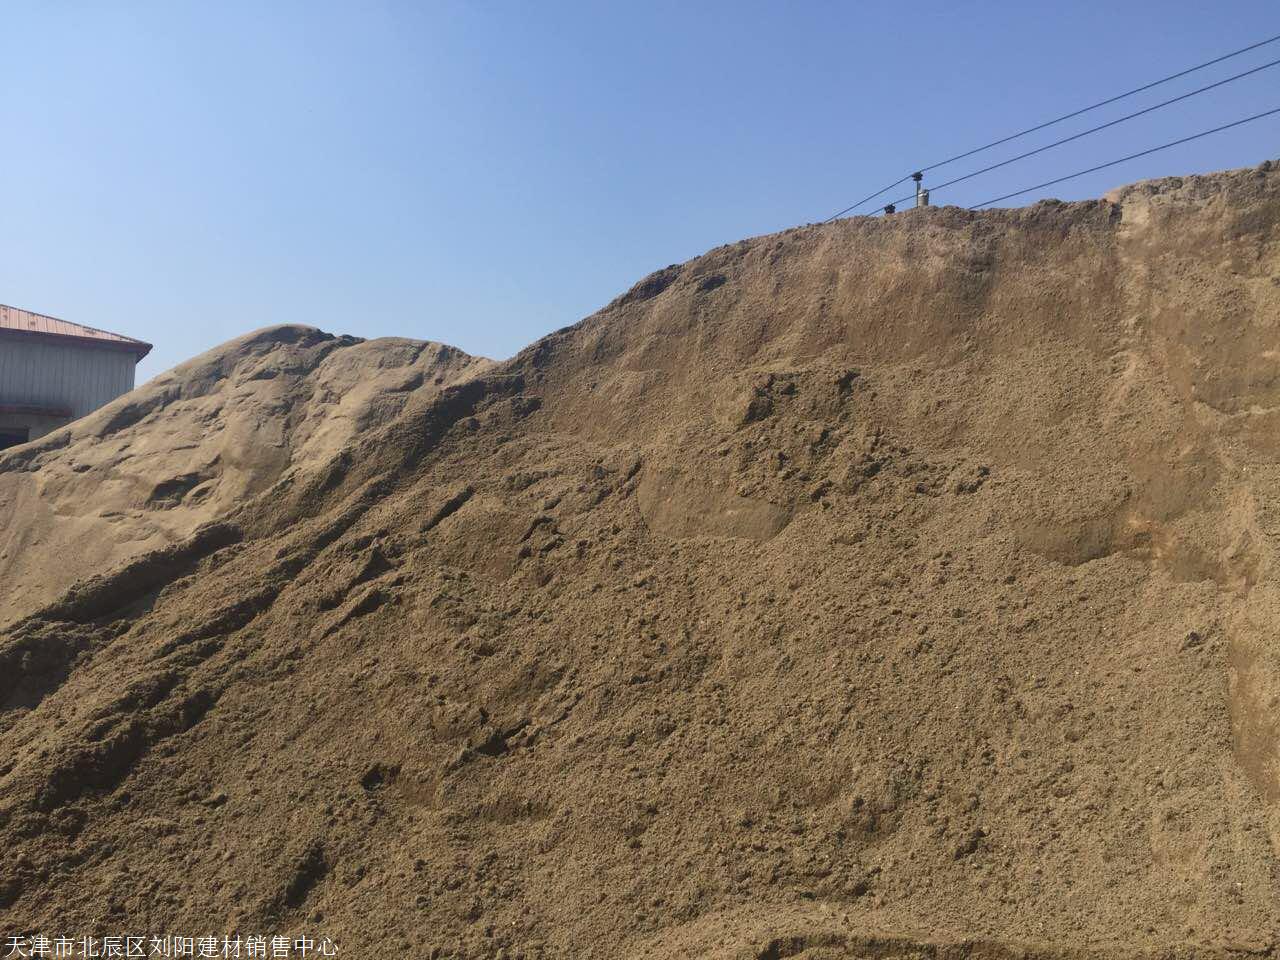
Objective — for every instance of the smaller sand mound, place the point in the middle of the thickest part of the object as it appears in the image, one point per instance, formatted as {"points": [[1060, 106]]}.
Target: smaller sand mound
{"points": [[213, 433]]}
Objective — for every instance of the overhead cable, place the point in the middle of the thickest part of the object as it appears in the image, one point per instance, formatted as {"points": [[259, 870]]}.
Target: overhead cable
{"points": [[1068, 116], [1102, 103], [1132, 156]]}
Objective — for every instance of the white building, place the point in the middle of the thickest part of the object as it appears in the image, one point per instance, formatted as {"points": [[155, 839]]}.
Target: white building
{"points": [[54, 371]]}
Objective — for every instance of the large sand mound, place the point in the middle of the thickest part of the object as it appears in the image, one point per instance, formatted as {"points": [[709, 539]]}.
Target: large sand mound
{"points": [[889, 588]]}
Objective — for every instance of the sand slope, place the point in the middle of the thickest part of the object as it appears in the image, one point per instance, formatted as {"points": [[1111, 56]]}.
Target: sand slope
{"points": [[895, 588]]}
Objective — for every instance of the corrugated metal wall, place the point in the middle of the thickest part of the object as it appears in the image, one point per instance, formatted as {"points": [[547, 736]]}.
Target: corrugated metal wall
{"points": [[57, 375]]}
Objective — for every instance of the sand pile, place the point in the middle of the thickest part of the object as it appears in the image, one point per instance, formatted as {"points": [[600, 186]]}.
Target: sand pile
{"points": [[889, 588]]}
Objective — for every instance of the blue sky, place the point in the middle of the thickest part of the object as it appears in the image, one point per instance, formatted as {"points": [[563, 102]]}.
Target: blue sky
{"points": [[484, 173]]}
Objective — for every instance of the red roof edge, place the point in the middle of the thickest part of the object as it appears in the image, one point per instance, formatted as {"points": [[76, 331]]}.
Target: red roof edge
{"points": [[41, 326]]}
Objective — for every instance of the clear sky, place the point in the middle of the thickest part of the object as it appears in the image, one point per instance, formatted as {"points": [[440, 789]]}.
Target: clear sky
{"points": [[483, 173]]}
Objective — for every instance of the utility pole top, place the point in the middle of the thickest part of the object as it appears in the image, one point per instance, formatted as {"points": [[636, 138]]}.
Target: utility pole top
{"points": [[922, 195]]}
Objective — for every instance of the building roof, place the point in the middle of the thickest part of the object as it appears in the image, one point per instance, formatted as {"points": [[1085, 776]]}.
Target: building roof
{"points": [[27, 325]]}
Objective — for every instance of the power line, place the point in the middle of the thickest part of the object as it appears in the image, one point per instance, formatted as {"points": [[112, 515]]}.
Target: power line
{"points": [[1065, 116], [1102, 103], [882, 190], [1085, 133], [1104, 126], [1132, 156]]}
